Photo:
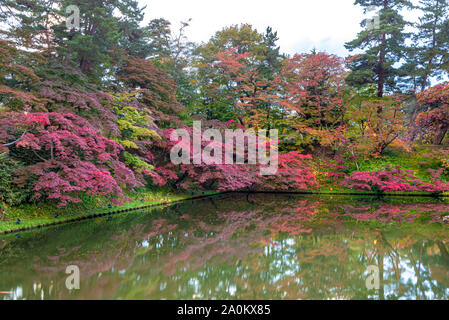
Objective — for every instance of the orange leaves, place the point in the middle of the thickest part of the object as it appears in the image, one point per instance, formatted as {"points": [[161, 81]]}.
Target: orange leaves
{"points": [[158, 90], [232, 62], [436, 117], [313, 84], [8, 53], [238, 79], [376, 123], [438, 94]]}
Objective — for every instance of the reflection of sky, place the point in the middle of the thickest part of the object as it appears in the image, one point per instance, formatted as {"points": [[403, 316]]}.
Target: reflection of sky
{"points": [[409, 276], [407, 272]]}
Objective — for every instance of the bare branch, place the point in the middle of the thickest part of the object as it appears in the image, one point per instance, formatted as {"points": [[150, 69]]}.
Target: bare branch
{"points": [[14, 142]]}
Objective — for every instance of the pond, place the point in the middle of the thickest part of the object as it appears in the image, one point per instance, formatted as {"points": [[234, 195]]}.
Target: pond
{"points": [[240, 246]]}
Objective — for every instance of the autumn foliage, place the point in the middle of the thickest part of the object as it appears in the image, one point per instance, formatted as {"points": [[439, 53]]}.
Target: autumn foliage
{"points": [[70, 125], [66, 155], [293, 172], [394, 180], [435, 120]]}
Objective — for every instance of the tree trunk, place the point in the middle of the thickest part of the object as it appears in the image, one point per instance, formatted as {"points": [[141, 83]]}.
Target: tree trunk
{"points": [[381, 74], [424, 83], [441, 133], [381, 71], [268, 119], [413, 126], [429, 61]]}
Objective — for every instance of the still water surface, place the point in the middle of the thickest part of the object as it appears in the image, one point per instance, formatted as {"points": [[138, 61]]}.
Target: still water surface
{"points": [[240, 247]]}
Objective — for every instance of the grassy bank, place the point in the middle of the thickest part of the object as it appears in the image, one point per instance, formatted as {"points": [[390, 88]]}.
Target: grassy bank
{"points": [[30, 216]]}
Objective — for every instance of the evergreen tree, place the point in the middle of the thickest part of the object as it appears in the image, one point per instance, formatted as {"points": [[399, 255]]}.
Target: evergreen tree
{"points": [[432, 40], [173, 52], [27, 23], [159, 38], [272, 62], [383, 45], [269, 68], [108, 29]]}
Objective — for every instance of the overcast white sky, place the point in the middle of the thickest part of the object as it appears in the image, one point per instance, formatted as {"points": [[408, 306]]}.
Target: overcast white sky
{"points": [[301, 24]]}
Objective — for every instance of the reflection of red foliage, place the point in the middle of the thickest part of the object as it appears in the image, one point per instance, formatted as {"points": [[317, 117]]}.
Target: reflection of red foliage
{"points": [[242, 239], [292, 224], [386, 213]]}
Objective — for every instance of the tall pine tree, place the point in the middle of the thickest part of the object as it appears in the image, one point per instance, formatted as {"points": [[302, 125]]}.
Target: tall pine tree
{"points": [[383, 45], [432, 40], [108, 30]]}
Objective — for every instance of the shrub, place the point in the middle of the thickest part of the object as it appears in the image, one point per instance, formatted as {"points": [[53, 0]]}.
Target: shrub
{"points": [[390, 180]]}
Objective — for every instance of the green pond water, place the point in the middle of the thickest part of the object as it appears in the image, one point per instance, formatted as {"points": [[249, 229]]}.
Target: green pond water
{"points": [[240, 246]]}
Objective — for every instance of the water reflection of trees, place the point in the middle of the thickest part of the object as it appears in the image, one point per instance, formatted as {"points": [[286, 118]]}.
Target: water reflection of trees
{"points": [[270, 247]]}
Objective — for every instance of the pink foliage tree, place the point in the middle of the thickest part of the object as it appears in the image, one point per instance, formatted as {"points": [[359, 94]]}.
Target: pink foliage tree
{"points": [[292, 174], [390, 180], [67, 156]]}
